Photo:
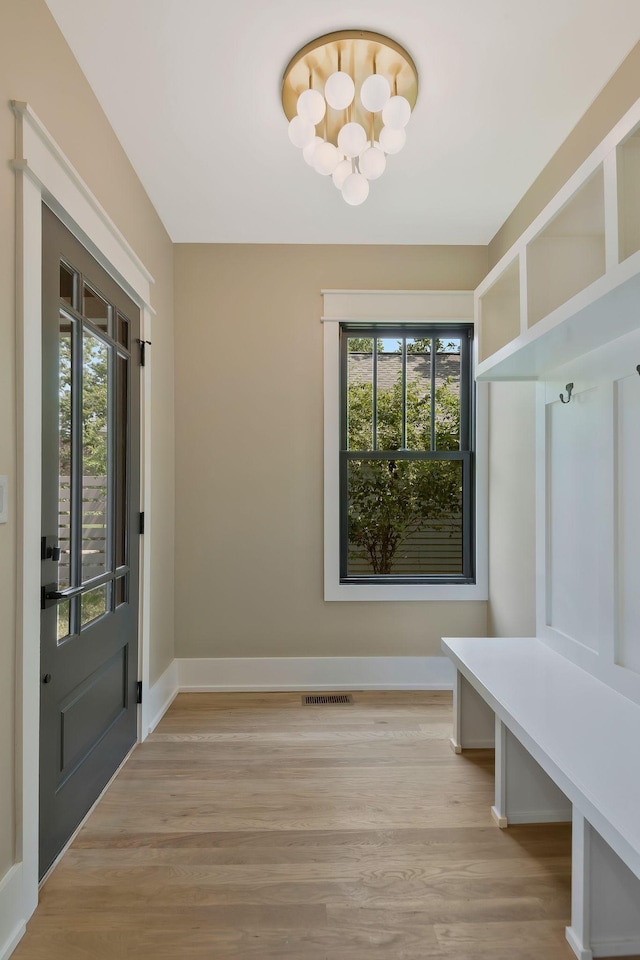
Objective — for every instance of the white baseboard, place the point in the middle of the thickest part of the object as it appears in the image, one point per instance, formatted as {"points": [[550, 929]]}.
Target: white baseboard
{"points": [[581, 952], [615, 948], [161, 695], [237, 674], [13, 919], [544, 816], [602, 948], [498, 819], [536, 816], [478, 743], [265, 674]]}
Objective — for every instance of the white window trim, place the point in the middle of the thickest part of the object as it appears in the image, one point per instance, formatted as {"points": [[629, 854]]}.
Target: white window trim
{"points": [[394, 306]]}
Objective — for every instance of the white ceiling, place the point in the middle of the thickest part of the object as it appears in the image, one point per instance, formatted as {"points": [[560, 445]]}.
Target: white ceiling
{"points": [[192, 89]]}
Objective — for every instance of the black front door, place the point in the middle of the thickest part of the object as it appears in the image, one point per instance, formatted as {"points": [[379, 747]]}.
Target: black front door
{"points": [[90, 526]]}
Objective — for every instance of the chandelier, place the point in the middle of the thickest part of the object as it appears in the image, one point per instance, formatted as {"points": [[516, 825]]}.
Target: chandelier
{"points": [[348, 97]]}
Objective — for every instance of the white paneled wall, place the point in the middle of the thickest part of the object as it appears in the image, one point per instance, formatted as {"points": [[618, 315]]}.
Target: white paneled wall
{"points": [[588, 517], [627, 463], [575, 484]]}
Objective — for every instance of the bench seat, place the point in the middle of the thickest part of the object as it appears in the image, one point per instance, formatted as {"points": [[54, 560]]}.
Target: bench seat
{"points": [[567, 747]]}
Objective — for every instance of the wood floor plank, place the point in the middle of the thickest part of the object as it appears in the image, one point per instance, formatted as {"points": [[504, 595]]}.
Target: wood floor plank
{"points": [[250, 826]]}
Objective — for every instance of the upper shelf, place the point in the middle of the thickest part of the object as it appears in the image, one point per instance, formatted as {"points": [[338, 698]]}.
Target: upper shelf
{"points": [[572, 280]]}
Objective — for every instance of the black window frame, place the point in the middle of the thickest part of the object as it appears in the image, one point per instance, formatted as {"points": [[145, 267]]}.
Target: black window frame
{"points": [[466, 453]]}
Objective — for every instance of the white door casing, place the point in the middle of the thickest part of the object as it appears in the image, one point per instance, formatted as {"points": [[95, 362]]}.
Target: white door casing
{"points": [[44, 174]]}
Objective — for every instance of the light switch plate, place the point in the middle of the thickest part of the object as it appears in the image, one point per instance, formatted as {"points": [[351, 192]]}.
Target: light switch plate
{"points": [[4, 497]]}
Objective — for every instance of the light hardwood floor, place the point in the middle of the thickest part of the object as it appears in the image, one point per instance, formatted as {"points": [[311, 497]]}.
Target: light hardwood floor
{"points": [[249, 826]]}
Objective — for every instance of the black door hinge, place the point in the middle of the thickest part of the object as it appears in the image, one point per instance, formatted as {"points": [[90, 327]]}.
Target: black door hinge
{"points": [[141, 524], [143, 345], [139, 691]]}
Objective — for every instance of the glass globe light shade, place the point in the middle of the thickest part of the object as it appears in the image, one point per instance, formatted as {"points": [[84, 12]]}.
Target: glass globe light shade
{"points": [[301, 132], [310, 149], [392, 141], [311, 106], [373, 162], [352, 139], [355, 189], [375, 92], [339, 90], [396, 113], [325, 159], [341, 172]]}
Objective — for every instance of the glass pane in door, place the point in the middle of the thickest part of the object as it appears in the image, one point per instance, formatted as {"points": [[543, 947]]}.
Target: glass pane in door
{"points": [[123, 331], [96, 308], [95, 456], [64, 623], [121, 591], [94, 604], [67, 285], [65, 420], [122, 389]]}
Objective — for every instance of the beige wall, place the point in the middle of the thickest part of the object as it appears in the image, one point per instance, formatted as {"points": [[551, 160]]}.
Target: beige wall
{"points": [[37, 66], [620, 93], [249, 435]]}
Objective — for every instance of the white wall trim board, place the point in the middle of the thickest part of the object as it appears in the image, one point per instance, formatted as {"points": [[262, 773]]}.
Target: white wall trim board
{"points": [[400, 306], [583, 953], [390, 306], [615, 948], [41, 158], [281, 674], [44, 174], [161, 695], [12, 916], [236, 674], [535, 816], [146, 542]]}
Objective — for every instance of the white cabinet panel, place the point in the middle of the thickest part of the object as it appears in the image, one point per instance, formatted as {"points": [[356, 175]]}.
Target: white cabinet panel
{"points": [[627, 395], [576, 489], [588, 514]]}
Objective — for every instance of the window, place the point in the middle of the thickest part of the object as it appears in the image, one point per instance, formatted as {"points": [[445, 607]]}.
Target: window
{"points": [[406, 454], [401, 313]]}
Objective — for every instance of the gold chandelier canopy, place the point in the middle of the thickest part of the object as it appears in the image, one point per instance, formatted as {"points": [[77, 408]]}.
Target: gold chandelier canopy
{"points": [[348, 97], [360, 54]]}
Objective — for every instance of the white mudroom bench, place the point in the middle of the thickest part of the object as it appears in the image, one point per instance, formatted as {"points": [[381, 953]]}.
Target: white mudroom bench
{"points": [[567, 748]]}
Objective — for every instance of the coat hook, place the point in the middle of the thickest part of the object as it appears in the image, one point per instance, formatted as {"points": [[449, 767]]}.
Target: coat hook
{"points": [[638, 368], [569, 389]]}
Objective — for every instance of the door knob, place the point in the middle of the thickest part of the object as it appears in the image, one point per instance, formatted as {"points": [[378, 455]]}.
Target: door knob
{"points": [[46, 678]]}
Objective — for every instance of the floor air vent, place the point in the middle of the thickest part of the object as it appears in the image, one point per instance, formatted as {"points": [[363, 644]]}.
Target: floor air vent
{"points": [[319, 699]]}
